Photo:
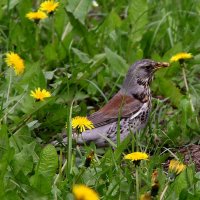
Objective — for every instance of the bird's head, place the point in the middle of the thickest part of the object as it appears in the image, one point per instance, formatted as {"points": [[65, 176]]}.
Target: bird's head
{"points": [[142, 72]]}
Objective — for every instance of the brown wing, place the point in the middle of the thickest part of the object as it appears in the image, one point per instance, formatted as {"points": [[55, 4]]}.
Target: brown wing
{"points": [[120, 105]]}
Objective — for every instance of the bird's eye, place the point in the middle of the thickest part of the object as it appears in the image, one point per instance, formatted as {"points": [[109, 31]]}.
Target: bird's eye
{"points": [[148, 66]]}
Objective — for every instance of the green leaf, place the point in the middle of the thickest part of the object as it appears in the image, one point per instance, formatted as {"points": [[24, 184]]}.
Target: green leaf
{"points": [[111, 22], [185, 107], [33, 76], [197, 175], [176, 48], [61, 21], [138, 17], [79, 8], [12, 194], [46, 169], [4, 147], [50, 53], [116, 62], [81, 55], [24, 160], [120, 149], [182, 182], [6, 154], [4, 142], [12, 4], [81, 30], [168, 89]]}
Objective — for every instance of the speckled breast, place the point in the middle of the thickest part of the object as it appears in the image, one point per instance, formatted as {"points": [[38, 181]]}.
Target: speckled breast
{"points": [[131, 124]]}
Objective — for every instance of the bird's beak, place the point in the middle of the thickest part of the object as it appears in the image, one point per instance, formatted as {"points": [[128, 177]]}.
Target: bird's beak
{"points": [[159, 65]]}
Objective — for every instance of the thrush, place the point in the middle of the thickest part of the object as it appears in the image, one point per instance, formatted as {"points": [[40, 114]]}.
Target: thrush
{"points": [[128, 110]]}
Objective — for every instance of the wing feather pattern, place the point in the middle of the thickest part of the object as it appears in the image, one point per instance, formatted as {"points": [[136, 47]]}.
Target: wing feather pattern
{"points": [[120, 105]]}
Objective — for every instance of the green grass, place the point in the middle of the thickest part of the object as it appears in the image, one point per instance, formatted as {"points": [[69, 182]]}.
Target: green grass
{"points": [[81, 55]]}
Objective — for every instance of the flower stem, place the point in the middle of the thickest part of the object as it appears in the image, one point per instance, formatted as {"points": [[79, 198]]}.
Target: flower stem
{"points": [[137, 182], [60, 160], [61, 171], [8, 92], [187, 89], [164, 191], [52, 29], [69, 140], [37, 35]]}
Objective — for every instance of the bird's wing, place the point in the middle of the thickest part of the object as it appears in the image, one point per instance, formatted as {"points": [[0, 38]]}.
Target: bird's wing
{"points": [[120, 105]]}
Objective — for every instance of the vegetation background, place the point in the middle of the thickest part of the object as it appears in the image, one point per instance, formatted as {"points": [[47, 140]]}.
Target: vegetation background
{"points": [[81, 53]]}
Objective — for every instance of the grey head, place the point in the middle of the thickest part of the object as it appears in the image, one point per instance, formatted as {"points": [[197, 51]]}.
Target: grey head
{"points": [[140, 74]]}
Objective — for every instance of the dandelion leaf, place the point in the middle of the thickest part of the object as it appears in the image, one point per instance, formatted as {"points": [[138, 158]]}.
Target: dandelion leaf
{"points": [[45, 170]]}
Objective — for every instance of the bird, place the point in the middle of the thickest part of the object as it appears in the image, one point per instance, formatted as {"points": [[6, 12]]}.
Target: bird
{"points": [[128, 110]]}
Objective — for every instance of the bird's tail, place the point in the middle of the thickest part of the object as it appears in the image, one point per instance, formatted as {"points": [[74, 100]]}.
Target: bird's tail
{"points": [[98, 136]]}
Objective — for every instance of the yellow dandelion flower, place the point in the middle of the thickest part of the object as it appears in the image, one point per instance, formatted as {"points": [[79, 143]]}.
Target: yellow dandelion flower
{"points": [[136, 156], [146, 196], [82, 123], [13, 60], [176, 167], [39, 94], [180, 57], [49, 6], [82, 192], [36, 16]]}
